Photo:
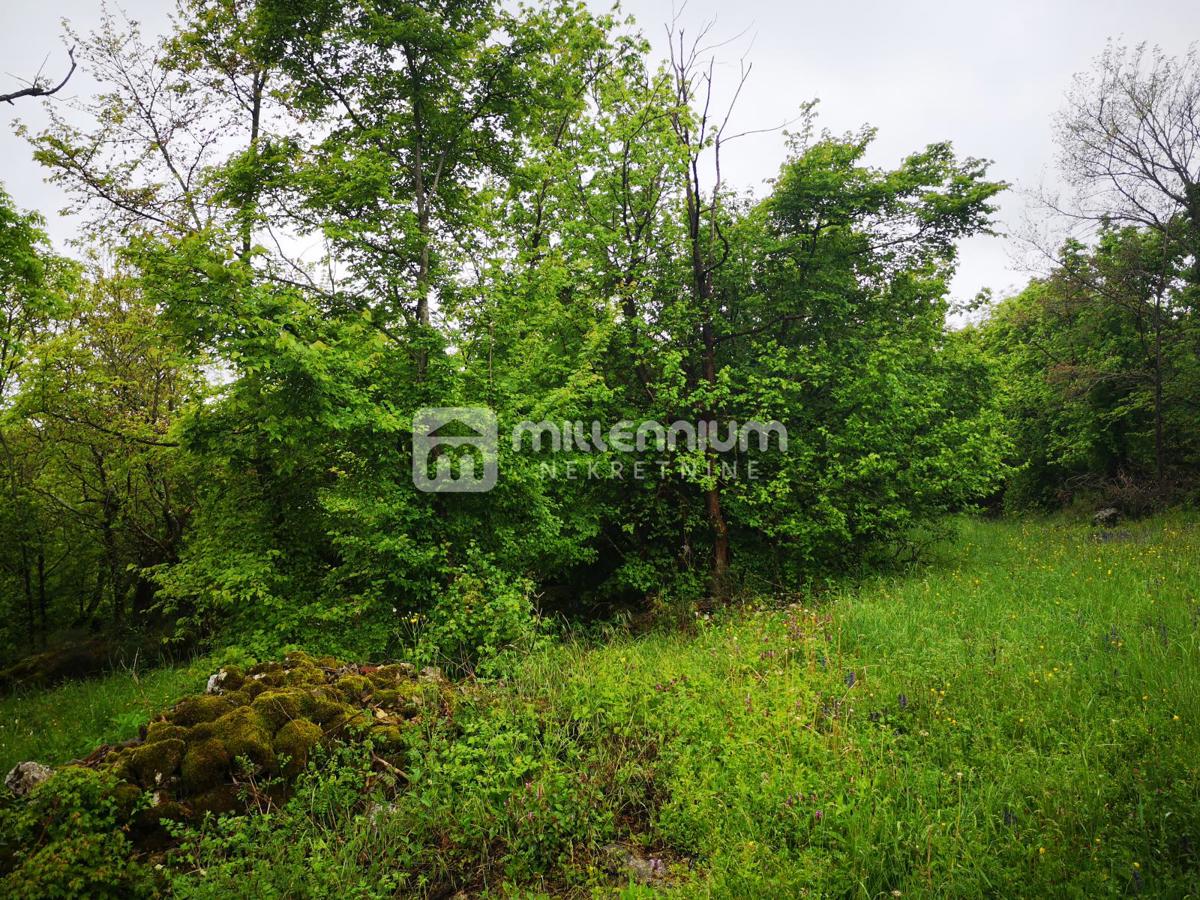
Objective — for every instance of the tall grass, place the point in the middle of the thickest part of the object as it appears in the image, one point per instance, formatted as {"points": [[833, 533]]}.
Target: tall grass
{"points": [[1018, 717], [67, 722], [1021, 715]]}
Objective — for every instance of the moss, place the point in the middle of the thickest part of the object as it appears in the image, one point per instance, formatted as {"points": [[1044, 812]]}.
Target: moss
{"points": [[280, 706], [151, 765], [238, 697], [264, 668], [304, 675], [268, 679], [278, 713], [388, 738], [161, 731], [407, 698], [353, 687], [199, 708], [252, 688], [126, 797], [201, 732], [234, 678], [244, 732], [391, 675], [349, 723], [326, 712], [151, 817], [219, 800], [205, 764], [294, 740]]}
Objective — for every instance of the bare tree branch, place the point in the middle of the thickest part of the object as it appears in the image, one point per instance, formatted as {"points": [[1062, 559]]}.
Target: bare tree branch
{"points": [[38, 89]]}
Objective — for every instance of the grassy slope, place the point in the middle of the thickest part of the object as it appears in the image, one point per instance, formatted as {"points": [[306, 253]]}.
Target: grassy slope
{"points": [[67, 722], [1023, 718], [1049, 731]]}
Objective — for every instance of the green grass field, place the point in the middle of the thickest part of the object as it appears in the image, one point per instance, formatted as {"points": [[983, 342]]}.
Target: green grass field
{"points": [[67, 722], [1018, 717]]}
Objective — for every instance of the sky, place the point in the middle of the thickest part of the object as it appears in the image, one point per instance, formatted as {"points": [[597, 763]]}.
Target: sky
{"points": [[986, 76]]}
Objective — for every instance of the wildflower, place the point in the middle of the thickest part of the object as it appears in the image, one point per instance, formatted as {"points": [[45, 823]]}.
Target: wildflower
{"points": [[818, 815]]}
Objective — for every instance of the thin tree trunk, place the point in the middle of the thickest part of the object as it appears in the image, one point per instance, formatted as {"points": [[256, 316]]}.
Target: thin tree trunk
{"points": [[1159, 448], [27, 580], [41, 578], [260, 83]]}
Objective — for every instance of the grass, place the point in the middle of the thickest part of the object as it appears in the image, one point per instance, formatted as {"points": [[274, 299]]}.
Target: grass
{"points": [[1020, 716], [68, 722]]}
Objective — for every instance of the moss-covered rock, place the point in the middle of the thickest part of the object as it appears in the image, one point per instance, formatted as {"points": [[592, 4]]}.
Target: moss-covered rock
{"points": [[246, 733], [152, 764], [406, 698], [388, 738], [228, 679], [353, 687], [162, 730], [205, 765], [391, 674], [274, 715], [198, 709], [326, 711], [251, 688], [224, 798], [151, 817], [280, 706], [295, 741]]}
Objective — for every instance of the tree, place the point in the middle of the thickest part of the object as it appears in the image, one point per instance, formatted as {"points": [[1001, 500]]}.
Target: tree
{"points": [[1129, 282], [1129, 145]]}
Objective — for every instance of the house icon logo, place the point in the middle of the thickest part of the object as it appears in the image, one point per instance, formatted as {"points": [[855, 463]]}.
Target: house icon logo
{"points": [[454, 450]]}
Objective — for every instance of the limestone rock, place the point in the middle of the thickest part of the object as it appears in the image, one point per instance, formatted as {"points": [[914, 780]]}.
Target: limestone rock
{"points": [[25, 776]]}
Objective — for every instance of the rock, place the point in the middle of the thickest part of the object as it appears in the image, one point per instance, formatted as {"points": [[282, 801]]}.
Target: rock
{"points": [[294, 741], [198, 709], [25, 776], [214, 682], [626, 861], [1107, 517]]}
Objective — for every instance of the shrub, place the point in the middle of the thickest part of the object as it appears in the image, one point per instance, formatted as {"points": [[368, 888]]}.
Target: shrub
{"points": [[66, 840], [485, 614]]}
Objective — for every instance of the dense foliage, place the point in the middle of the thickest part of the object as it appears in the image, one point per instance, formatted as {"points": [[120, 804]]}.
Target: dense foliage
{"points": [[327, 216], [1022, 710]]}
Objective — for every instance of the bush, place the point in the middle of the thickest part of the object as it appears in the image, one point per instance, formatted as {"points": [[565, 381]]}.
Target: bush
{"points": [[66, 841], [485, 614]]}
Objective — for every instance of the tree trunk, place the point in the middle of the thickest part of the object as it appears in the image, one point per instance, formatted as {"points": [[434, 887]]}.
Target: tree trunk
{"points": [[702, 281], [247, 225], [41, 578], [27, 581], [1159, 448]]}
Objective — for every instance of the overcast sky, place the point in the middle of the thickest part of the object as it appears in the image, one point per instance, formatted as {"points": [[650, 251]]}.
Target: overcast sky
{"points": [[987, 76]]}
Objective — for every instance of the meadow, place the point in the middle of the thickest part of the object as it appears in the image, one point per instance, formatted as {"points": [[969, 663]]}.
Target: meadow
{"points": [[1017, 716]]}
